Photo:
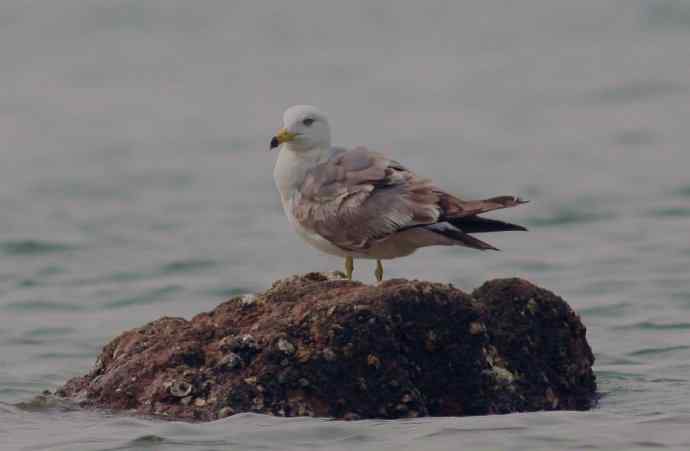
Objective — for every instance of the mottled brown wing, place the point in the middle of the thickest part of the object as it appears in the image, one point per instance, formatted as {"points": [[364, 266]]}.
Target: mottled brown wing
{"points": [[359, 197], [454, 207]]}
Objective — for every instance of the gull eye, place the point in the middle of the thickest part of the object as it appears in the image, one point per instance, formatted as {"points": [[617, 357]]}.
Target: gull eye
{"points": [[308, 121]]}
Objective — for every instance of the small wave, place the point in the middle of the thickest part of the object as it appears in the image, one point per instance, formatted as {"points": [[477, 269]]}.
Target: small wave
{"points": [[38, 305], [187, 266], [15, 394], [33, 247], [634, 91], [146, 440], [618, 376], [23, 341], [667, 14], [605, 286], [148, 297], [656, 351], [28, 283], [7, 408], [64, 355], [118, 276], [227, 292], [648, 325], [454, 431], [536, 266], [648, 444], [608, 359], [670, 212], [683, 296], [609, 311], [683, 191], [126, 276], [567, 216], [46, 402], [635, 138], [40, 335], [50, 331]]}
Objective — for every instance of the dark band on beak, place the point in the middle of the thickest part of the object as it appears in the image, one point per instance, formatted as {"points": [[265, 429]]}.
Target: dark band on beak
{"points": [[274, 142]]}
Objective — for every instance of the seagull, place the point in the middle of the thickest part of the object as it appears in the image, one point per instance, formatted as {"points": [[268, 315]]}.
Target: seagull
{"points": [[359, 204]]}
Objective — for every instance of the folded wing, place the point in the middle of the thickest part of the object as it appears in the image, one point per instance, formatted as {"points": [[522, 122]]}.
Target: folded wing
{"points": [[358, 198]]}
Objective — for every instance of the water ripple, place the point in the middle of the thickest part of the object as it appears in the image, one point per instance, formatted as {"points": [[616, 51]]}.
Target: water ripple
{"points": [[569, 216], [648, 325], [50, 331], [657, 351], [34, 247], [38, 305], [682, 296], [670, 212], [683, 191], [608, 311], [227, 292], [148, 297], [666, 14], [634, 91], [146, 440], [187, 266]]}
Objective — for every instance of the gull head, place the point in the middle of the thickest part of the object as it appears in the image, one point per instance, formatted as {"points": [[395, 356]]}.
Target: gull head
{"points": [[304, 128]]}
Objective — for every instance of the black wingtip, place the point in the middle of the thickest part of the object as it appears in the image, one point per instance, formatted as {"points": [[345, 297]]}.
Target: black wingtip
{"points": [[519, 201], [478, 224]]}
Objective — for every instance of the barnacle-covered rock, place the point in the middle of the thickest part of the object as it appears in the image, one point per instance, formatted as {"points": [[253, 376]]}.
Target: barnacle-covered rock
{"points": [[322, 346]]}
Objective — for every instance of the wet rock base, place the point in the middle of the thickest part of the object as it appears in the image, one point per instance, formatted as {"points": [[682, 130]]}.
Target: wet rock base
{"points": [[320, 346]]}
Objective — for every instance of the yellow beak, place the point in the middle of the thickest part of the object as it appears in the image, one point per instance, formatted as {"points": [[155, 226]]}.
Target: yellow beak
{"points": [[281, 137]]}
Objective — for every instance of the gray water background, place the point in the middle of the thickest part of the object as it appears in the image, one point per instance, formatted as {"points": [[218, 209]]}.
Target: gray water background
{"points": [[135, 182]]}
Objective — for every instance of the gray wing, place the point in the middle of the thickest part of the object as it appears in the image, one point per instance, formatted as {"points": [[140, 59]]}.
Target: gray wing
{"points": [[360, 197]]}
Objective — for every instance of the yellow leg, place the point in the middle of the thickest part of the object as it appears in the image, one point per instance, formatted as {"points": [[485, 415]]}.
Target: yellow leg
{"points": [[349, 266], [379, 271]]}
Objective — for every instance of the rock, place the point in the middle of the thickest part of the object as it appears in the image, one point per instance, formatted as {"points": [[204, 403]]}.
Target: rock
{"points": [[321, 346], [230, 361], [179, 389], [285, 346]]}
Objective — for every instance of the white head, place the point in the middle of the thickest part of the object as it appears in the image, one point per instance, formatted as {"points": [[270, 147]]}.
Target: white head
{"points": [[304, 128]]}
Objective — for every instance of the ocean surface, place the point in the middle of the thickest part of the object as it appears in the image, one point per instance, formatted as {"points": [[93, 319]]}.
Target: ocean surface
{"points": [[136, 182]]}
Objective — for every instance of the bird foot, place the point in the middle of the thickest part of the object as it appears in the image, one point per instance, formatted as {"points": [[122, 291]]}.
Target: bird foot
{"points": [[349, 267], [379, 271]]}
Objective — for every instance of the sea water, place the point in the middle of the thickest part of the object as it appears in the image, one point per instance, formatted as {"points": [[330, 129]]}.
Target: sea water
{"points": [[136, 182]]}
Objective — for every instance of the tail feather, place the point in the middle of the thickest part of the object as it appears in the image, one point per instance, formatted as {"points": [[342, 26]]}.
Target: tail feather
{"points": [[477, 224], [460, 218], [475, 243], [457, 208]]}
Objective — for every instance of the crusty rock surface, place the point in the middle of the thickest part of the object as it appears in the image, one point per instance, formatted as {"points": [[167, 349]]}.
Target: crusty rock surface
{"points": [[322, 346]]}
